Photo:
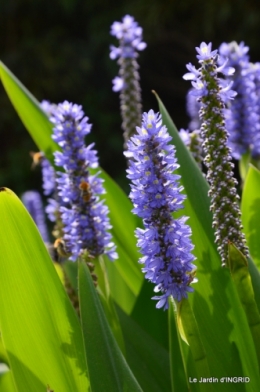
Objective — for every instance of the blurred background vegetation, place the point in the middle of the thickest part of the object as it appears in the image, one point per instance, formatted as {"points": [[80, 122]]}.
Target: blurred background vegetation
{"points": [[59, 49]]}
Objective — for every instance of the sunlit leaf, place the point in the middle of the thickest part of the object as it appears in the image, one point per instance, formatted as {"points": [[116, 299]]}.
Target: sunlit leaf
{"points": [[251, 212], [7, 382], [28, 108], [241, 276], [40, 329], [190, 333], [148, 360], [178, 377], [108, 370]]}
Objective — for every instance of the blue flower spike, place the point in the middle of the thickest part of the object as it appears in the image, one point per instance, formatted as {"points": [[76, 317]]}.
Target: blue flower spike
{"points": [[129, 34], [33, 202], [155, 192], [83, 213], [242, 116]]}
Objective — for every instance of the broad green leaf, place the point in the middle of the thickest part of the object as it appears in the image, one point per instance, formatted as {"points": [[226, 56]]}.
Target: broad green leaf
{"points": [[40, 330], [120, 289], [152, 320], [148, 360], [71, 271], [178, 376], [7, 382], [103, 288], [123, 221], [126, 272], [104, 291], [3, 354], [251, 212], [33, 117], [221, 320], [108, 370], [240, 274], [190, 333], [255, 278]]}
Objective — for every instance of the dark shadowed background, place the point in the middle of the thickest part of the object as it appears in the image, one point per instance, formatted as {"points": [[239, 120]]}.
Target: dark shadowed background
{"points": [[59, 49]]}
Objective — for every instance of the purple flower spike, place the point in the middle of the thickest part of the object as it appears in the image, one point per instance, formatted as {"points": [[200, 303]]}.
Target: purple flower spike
{"points": [[242, 116], [48, 177], [164, 242], [129, 35], [84, 215], [33, 202]]}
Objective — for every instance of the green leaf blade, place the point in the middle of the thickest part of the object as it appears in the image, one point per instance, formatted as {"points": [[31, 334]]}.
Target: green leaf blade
{"points": [[40, 330], [7, 382], [28, 108], [108, 370], [251, 212], [149, 361], [191, 335], [125, 272], [241, 276], [178, 376]]}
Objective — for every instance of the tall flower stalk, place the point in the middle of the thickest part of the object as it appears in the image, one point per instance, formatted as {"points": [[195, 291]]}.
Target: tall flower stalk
{"points": [[84, 214], [213, 92], [129, 35], [155, 193], [242, 118]]}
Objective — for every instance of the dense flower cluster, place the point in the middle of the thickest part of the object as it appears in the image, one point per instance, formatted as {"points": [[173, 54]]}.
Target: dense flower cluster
{"points": [[84, 215], [155, 192], [48, 183], [191, 136], [192, 108], [50, 189], [129, 35], [33, 202], [194, 143], [49, 179], [212, 93], [48, 107], [242, 120], [256, 150]]}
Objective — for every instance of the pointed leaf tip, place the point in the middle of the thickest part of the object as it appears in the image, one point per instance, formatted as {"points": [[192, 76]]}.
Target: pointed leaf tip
{"points": [[236, 259]]}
